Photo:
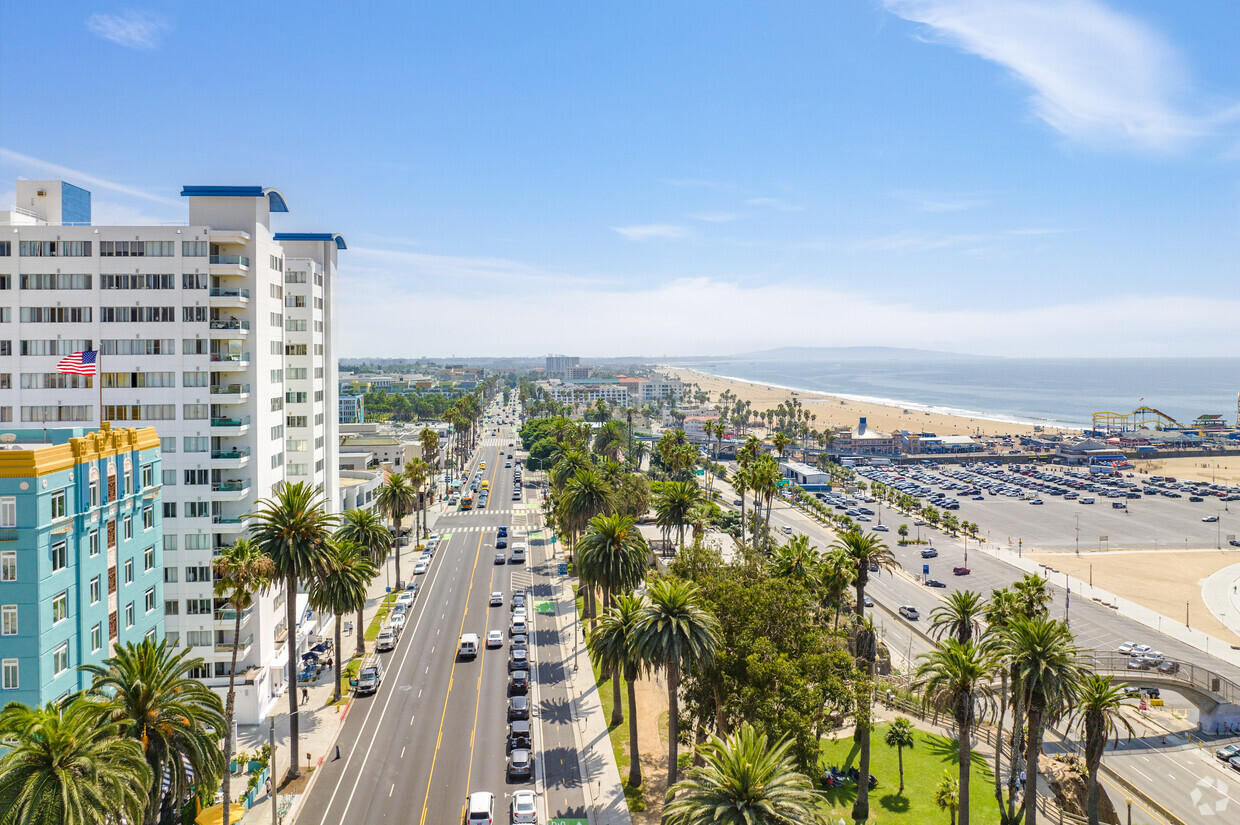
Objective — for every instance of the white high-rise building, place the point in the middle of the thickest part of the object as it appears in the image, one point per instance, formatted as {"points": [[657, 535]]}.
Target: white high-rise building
{"points": [[217, 333]]}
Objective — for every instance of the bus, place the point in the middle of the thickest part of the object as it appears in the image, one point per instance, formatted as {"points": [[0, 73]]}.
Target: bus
{"points": [[467, 501]]}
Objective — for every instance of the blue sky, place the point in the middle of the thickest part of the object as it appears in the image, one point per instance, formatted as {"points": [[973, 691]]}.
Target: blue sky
{"points": [[1058, 177]]}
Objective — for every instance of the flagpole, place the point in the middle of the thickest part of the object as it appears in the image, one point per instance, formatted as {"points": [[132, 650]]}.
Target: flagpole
{"points": [[99, 377]]}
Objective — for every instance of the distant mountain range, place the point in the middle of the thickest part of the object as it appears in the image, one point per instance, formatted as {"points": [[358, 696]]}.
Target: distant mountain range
{"points": [[852, 354]]}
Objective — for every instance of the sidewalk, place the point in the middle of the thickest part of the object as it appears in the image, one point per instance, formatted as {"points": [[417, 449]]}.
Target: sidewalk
{"points": [[320, 721]]}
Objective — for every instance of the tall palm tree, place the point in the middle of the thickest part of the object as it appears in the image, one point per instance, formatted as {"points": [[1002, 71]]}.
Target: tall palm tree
{"points": [[585, 495], [293, 529], [177, 720], [612, 645], [675, 632], [866, 551], [745, 781], [1032, 595], [1099, 708], [764, 479], [960, 616], [396, 498], [364, 528], [955, 677], [836, 574], [66, 765], [568, 462], [241, 571], [673, 505], [899, 735], [418, 474], [780, 442], [797, 559], [340, 587], [612, 555], [740, 483], [1049, 675], [999, 610]]}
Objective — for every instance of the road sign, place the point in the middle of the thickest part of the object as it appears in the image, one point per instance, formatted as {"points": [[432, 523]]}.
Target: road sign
{"points": [[546, 608], [925, 570], [1103, 538]]}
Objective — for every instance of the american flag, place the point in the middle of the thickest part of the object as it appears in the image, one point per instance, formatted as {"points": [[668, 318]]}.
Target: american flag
{"points": [[79, 363]]}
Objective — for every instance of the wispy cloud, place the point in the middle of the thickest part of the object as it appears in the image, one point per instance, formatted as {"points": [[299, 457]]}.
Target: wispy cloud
{"points": [[132, 29], [776, 204], [395, 270], [1097, 76], [715, 217], [88, 180], [645, 232], [940, 202]]}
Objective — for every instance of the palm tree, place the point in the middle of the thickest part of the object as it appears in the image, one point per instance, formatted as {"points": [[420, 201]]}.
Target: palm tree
{"points": [[1099, 708], [956, 677], [745, 781], [293, 529], [674, 504], [1031, 595], [585, 495], [797, 559], [675, 631], [780, 442], [959, 616], [899, 735], [340, 587], [740, 483], [837, 572], [764, 480], [947, 795], [612, 555], [612, 646], [240, 571], [418, 474], [396, 498], [1045, 662], [866, 551], [1000, 608], [364, 528], [177, 720], [67, 765], [902, 532]]}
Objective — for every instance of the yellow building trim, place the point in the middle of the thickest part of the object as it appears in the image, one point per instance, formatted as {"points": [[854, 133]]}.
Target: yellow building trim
{"points": [[104, 443]]}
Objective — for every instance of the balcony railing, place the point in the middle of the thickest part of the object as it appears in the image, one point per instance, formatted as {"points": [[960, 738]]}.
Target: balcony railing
{"points": [[231, 324], [231, 357], [231, 389], [231, 422], [234, 454], [216, 292], [226, 647], [229, 614], [234, 486], [217, 519], [8, 534], [230, 259]]}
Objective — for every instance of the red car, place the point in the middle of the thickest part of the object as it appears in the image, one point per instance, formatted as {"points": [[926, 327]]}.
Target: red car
{"points": [[960, 571]]}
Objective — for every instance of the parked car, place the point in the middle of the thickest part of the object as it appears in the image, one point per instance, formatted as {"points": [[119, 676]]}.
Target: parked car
{"points": [[518, 682], [960, 571], [935, 583], [880, 528], [500, 558], [929, 553], [1126, 647], [518, 708], [1167, 666], [519, 734], [524, 808], [1227, 752], [520, 764]]}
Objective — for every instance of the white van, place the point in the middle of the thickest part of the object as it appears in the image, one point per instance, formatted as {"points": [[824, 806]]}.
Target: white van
{"points": [[517, 555], [386, 640], [468, 648]]}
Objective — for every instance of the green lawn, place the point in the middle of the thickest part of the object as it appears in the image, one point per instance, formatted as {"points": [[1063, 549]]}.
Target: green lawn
{"points": [[924, 765]]}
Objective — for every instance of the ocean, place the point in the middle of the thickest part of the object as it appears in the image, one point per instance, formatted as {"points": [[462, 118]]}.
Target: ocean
{"points": [[1061, 392]]}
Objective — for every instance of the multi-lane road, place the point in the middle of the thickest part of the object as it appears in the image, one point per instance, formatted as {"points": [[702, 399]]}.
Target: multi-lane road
{"points": [[437, 728]]}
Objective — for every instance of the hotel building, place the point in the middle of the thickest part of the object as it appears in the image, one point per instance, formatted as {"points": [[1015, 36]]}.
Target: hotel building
{"points": [[217, 333]]}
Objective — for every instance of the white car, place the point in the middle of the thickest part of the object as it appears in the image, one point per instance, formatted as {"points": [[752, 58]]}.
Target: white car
{"points": [[420, 568], [497, 598], [495, 638], [396, 621], [524, 808], [879, 528], [517, 627], [405, 599], [386, 640], [1126, 647], [519, 613], [1140, 650]]}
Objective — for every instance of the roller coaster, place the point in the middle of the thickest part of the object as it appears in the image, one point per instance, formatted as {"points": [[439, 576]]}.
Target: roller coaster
{"points": [[1141, 418]]}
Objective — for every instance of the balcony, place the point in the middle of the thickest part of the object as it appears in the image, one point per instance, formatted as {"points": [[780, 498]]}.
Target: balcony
{"points": [[230, 297], [242, 650], [224, 235], [8, 534], [230, 260], [230, 360], [230, 459], [231, 328], [228, 616], [230, 393], [229, 524], [230, 426], [231, 490]]}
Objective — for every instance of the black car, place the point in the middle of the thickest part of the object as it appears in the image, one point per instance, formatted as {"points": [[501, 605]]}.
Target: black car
{"points": [[935, 583], [518, 600], [518, 659], [519, 735], [501, 543], [518, 708], [520, 764], [519, 640], [518, 683]]}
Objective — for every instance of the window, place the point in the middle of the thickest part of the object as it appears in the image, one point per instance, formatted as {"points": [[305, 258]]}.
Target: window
{"points": [[93, 541], [58, 504], [8, 620], [194, 280], [170, 542], [137, 315], [138, 346], [292, 277], [169, 477], [94, 494], [198, 541], [277, 376], [148, 517], [128, 571], [56, 281], [129, 615], [149, 603], [275, 291], [96, 638], [277, 263], [55, 249], [168, 444], [172, 607], [8, 511], [277, 404], [194, 477], [58, 346], [194, 346], [9, 670], [8, 565], [170, 575], [198, 607], [129, 480], [56, 315], [194, 314], [197, 509], [197, 443], [194, 249], [172, 638], [6, 347], [295, 301], [137, 280], [296, 397], [148, 475], [170, 507], [296, 445], [140, 412], [276, 319], [128, 527], [277, 432], [95, 590], [49, 412], [294, 325], [298, 469], [199, 638], [295, 373], [60, 556], [200, 573], [60, 607], [6, 249], [55, 381], [277, 460], [318, 395], [117, 380], [298, 421], [295, 349], [196, 379], [60, 659], [195, 412], [148, 558]]}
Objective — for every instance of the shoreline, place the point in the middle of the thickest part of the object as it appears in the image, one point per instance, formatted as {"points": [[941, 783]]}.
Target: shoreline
{"points": [[847, 409]]}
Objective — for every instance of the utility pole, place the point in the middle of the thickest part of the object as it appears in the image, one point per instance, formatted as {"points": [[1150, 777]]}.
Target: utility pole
{"points": [[275, 807]]}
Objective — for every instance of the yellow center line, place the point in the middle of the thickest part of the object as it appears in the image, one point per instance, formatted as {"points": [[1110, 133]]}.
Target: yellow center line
{"points": [[447, 697]]}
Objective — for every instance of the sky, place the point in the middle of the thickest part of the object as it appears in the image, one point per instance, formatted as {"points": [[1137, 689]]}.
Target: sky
{"points": [[656, 179]]}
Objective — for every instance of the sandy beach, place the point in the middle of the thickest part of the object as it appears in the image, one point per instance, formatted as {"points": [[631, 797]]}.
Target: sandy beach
{"points": [[1220, 470], [832, 411]]}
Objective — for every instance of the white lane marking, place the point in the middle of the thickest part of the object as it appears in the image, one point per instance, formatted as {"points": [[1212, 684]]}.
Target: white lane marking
{"points": [[402, 753], [428, 670], [411, 718], [432, 648], [390, 791]]}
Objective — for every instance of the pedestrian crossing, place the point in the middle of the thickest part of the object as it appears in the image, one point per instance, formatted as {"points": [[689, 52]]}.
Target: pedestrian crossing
{"points": [[473, 528]]}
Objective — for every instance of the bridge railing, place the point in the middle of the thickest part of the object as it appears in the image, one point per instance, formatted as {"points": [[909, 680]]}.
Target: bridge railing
{"points": [[1203, 679]]}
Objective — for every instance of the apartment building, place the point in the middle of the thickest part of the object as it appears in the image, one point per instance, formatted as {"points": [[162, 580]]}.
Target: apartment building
{"points": [[81, 566], [218, 333]]}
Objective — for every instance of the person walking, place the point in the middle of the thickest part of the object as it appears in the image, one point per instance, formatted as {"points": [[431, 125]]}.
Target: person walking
{"points": [[305, 695]]}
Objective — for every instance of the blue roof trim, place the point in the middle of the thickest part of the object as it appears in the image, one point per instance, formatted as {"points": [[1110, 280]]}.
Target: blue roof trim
{"points": [[311, 236], [275, 199]]}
